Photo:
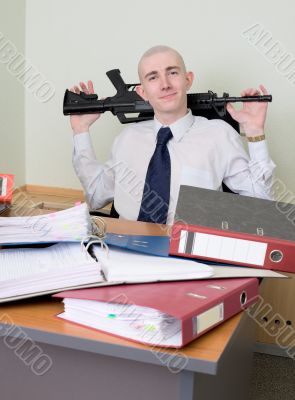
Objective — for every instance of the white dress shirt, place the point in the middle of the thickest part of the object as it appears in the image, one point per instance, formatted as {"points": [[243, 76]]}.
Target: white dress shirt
{"points": [[203, 153]]}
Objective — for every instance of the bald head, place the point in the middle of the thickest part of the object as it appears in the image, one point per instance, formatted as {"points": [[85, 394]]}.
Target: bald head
{"points": [[157, 50]]}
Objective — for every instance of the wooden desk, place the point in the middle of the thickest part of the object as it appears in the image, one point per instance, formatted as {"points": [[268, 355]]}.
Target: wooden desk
{"points": [[87, 364], [90, 365]]}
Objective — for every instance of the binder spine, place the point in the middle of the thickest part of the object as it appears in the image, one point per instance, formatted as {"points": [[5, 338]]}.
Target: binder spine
{"points": [[232, 247], [228, 305]]}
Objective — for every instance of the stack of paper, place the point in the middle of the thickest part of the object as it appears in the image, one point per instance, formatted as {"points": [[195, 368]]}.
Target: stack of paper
{"points": [[127, 266], [27, 271], [72, 224], [130, 321]]}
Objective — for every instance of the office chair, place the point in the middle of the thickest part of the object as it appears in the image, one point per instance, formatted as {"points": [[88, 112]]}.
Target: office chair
{"points": [[210, 114], [113, 213]]}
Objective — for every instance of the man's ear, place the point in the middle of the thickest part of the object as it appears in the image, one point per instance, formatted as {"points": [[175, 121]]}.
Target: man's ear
{"points": [[189, 79], [140, 92]]}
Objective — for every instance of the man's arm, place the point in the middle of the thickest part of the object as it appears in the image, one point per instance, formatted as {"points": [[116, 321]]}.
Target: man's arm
{"points": [[96, 179], [256, 179], [249, 176]]}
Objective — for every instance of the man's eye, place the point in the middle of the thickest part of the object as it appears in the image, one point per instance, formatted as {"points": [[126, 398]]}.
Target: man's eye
{"points": [[173, 72], [152, 78]]}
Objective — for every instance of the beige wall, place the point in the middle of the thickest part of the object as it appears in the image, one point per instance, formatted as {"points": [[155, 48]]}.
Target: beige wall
{"points": [[12, 106], [68, 41]]}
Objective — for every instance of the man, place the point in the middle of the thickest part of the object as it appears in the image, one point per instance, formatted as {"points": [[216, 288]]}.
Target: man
{"points": [[148, 164]]}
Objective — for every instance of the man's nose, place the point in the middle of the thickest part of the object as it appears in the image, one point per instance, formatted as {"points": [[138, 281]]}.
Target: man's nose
{"points": [[165, 83]]}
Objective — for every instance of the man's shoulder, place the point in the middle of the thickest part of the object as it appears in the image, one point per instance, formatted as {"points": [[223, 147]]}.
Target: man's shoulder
{"points": [[214, 126]]}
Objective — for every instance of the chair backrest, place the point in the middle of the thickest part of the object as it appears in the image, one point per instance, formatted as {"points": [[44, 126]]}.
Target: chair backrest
{"points": [[113, 213]]}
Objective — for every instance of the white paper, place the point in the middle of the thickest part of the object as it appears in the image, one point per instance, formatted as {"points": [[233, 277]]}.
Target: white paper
{"points": [[29, 270], [127, 266], [145, 324], [72, 224], [3, 189], [225, 248], [221, 271], [21, 262]]}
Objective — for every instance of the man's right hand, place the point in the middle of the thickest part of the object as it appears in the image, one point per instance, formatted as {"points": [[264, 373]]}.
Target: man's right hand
{"points": [[81, 123]]}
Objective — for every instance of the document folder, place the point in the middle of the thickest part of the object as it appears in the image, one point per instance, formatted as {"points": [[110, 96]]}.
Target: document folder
{"points": [[6, 188], [168, 314], [235, 229]]}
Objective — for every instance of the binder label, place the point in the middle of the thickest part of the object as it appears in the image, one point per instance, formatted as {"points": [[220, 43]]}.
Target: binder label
{"points": [[208, 318], [222, 247], [3, 186]]}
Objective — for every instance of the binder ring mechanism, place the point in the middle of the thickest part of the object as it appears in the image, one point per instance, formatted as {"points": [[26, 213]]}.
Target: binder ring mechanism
{"points": [[98, 234], [243, 298], [276, 256]]}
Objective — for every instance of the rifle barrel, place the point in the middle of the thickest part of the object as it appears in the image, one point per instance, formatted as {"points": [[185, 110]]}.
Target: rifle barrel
{"points": [[243, 99]]}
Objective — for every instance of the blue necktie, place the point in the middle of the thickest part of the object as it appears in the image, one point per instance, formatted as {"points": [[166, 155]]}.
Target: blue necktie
{"points": [[156, 193]]}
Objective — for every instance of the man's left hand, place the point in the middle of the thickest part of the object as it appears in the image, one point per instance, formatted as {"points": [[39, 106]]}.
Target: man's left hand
{"points": [[252, 115]]}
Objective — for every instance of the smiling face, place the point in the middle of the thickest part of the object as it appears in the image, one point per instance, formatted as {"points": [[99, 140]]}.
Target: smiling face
{"points": [[164, 83]]}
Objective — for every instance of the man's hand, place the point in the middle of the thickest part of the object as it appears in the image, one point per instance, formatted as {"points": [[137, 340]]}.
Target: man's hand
{"points": [[252, 115], [81, 123]]}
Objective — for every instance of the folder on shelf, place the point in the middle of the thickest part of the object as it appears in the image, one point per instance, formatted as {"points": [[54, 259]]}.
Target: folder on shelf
{"points": [[229, 228], [6, 190], [169, 314]]}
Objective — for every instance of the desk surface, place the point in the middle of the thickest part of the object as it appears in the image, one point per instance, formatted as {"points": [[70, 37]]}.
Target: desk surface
{"points": [[38, 319]]}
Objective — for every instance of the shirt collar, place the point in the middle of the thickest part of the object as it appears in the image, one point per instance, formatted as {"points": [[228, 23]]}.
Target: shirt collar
{"points": [[178, 128]]}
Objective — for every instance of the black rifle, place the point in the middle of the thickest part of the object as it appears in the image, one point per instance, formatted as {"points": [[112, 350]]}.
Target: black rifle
{"points": [[127, 101]]}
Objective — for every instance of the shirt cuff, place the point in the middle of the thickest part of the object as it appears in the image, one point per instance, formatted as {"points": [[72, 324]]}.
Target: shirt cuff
{"points": [[258, 150], [82, 141]]}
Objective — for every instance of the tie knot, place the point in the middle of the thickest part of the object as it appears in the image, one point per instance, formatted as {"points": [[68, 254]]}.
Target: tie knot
{"points": [[164, 135]]}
